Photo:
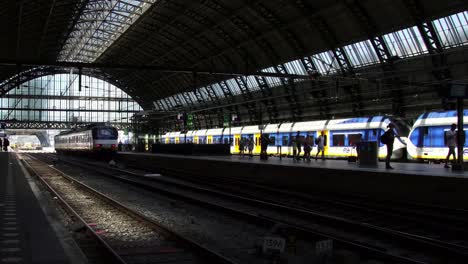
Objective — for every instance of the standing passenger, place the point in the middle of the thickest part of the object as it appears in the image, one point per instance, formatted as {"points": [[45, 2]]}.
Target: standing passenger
{"points": [[321, 145], [451, 141], [298, 145], [241, 146], [6, 143], [264, 142], [390, 138], [251, 146], [358, 145], [1, 144], [294, 147], [307, 148]]}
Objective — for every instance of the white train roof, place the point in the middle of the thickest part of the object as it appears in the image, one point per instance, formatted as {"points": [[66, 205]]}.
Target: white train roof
{"points": [[309, 126], [337, 124], [214, 132], [232, 130], [174, 134], [200, 133], [190, 133], [271, 128], [358, 123], [440, 118], [285, 127], [250, 130]]}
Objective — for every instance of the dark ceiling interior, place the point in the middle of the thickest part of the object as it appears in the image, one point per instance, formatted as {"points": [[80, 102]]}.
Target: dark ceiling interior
{"points": [[209, 35]]}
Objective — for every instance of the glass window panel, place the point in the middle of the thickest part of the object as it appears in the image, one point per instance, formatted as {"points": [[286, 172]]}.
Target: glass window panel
{"points": [[405, 43], [452, 30], [361, 54], [233, 86], [325, 62]]}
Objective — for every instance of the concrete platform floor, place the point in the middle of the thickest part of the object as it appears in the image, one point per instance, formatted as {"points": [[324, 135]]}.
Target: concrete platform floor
{"points": [[410, 168], [26, 235]]}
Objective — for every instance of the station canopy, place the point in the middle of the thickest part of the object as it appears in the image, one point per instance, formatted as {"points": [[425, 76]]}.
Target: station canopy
{"points": [[172, 54]]}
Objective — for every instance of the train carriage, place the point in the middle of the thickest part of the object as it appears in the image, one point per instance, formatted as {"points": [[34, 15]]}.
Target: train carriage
{"points": [[427, 138], [341, 136], [87, 140]]}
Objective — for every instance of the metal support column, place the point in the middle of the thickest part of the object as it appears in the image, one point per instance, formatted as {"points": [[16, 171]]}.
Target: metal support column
{"points": [[460, 136]]}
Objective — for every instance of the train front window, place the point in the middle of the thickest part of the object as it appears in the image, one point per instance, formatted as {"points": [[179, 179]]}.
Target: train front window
{"points": [[105, 133]]}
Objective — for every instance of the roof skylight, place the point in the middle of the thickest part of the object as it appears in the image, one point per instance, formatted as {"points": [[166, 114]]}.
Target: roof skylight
{"points": [[100, 24]]}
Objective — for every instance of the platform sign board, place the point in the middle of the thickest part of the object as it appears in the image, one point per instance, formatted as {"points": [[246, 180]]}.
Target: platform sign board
{"points": [[324, 247], [273, 244], [458, 91]]}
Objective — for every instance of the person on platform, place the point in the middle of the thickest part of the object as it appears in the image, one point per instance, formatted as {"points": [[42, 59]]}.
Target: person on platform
{"points": [[307, 148], [389, 138], [241, 146], [320, 145], [264, 142], [6, 143], [1, 144], [292, 143], [250, 146], [119, 146], [451, 142], [358, 145], [298, 145]]}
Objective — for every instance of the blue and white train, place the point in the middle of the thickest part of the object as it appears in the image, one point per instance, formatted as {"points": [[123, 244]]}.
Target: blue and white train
{"points": [[427, 137], [341, 135]]}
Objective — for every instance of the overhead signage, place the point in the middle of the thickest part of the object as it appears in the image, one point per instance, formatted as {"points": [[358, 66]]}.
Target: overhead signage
{"points": [[273, 244]]}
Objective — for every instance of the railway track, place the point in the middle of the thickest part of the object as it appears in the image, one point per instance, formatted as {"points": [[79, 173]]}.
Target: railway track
{"points": [[125, 235], [444, 250], [433, 224]]}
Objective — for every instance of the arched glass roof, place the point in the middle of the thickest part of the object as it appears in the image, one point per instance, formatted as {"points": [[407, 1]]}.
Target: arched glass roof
{"points": [[452, 31], [57, 98], [100, 24]]}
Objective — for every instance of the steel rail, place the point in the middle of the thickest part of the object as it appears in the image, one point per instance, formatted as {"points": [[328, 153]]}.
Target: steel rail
{"points": [[211, 255]]}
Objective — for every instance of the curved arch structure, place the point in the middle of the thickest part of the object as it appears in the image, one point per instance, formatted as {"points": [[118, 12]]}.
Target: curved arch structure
{"points": [[346, 38], [49, 98]]}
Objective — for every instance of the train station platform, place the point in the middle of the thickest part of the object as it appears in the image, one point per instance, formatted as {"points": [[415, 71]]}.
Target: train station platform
{"points": [[415, 182], [26, 234]]}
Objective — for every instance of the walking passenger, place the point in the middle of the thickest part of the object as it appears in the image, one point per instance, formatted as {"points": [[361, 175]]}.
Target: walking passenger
{"points": [[389, 138], [321, 145], [298, 145], [451, 142]]}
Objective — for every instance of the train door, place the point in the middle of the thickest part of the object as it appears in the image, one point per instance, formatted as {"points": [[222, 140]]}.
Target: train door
{"points": [[210, 140], [236, 143], [195, 140], [257, 146], [177, 140]]}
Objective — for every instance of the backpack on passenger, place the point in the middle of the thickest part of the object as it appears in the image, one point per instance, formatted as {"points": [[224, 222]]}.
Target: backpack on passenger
{"points": [[384, 138]]}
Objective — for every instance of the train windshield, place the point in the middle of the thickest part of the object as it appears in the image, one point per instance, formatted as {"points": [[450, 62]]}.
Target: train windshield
{"points": [[105, 133]]}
